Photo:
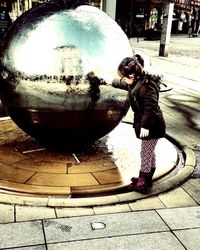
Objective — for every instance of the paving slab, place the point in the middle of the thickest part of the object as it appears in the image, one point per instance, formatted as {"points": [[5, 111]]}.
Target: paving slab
{"points": [[181, 218], [192, 187], [76, 211], [118, 208], [80, 228], [147, 204], [21, 234], [177, 198], [6, 213], [82, 202], [27, 213], [161, 241], [190, 238], [24, 200], [41, 247]]}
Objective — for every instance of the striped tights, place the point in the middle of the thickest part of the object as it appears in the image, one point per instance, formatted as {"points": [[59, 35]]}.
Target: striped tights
{"points": [[147, 154]]}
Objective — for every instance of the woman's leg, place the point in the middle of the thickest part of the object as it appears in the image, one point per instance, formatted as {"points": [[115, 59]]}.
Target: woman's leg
{"points": [[148, 157], [148, 164]]}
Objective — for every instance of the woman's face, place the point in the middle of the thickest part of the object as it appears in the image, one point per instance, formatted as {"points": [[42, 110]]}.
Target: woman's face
{"points": [[129, 80]]}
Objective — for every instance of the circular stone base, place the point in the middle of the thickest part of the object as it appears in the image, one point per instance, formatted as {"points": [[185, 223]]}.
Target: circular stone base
{"points": [[103, 168]]}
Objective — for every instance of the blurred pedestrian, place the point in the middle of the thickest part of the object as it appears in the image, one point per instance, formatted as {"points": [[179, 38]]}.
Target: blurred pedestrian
{"points": [[149, 124], [190, 31]]}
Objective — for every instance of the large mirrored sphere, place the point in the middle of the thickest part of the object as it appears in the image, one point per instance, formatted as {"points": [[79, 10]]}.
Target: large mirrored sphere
{"points": [[45, 59]]}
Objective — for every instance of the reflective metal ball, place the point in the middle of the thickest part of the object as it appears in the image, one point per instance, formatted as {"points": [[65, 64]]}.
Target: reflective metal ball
{"points": [[45, 60]]}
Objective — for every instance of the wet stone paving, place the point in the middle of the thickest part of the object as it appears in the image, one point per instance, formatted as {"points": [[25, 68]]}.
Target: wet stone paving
{"points": [[105, 166]]}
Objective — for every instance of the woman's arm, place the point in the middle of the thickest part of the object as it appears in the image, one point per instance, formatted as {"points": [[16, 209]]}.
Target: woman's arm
{"points": [[120, 84], [149, 99]]}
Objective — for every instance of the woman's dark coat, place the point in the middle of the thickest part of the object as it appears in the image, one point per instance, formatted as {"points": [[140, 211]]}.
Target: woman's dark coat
{"points": [[144, 98]]}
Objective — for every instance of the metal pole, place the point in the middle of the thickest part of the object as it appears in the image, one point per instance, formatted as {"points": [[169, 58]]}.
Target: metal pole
{"points": [[110, 7], [29, 4], [166, 29], [18, 8]]}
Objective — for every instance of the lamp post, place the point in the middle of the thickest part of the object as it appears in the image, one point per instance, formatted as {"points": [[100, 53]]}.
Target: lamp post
{"points": [[166, 27], [18, 8], [109, 7], [30, 4]]}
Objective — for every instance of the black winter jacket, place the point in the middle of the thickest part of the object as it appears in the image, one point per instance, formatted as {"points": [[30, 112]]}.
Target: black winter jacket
{"points": [[144, 98]]}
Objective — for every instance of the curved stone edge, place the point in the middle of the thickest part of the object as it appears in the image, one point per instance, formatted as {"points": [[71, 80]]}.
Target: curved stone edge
{"points": [[183, 175]]}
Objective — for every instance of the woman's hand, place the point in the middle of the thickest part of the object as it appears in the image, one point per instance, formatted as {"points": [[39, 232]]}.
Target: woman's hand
{"points": [[109, 84], [144, 132]]}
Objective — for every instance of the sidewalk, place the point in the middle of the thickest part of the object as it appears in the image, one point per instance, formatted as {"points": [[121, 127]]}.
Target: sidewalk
{"points": [[176, 229], [166, 221]]}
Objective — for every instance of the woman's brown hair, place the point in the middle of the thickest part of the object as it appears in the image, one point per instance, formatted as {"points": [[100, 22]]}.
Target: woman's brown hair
{"points": [[131, 65]]}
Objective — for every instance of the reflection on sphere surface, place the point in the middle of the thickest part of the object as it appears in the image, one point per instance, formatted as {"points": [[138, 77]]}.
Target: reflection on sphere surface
{"points": [[45, 59]]}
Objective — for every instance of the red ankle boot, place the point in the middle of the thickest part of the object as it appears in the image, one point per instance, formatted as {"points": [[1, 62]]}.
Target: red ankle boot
{"points": [[141, 184], [134, 180], [149, 183]]}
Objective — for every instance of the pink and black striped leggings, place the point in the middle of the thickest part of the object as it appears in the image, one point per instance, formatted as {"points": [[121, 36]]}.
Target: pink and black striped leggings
{"points": [[147, 154]]}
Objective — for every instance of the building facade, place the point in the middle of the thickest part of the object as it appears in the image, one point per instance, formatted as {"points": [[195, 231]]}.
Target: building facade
{"points": [[136, 17], [142, 15]]}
